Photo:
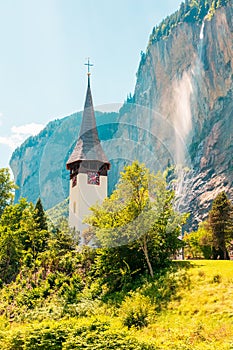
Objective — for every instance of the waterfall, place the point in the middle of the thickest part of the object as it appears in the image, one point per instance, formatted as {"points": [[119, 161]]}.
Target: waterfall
{"points": [[186, 90], [202, 30], [201, 36]]}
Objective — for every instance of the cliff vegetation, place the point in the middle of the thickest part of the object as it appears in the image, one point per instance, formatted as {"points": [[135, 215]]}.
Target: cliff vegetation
{"points": [[190, 11]]}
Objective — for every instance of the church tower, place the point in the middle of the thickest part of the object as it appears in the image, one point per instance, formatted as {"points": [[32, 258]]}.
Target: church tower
{"points": [[88, 166]]}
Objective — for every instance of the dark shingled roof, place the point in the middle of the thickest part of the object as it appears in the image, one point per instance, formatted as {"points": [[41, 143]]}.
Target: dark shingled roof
{"points": [[88, 146]]}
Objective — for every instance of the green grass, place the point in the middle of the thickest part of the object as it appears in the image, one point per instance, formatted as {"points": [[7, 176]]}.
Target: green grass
{"points": [[189, 308], [201, 315]]}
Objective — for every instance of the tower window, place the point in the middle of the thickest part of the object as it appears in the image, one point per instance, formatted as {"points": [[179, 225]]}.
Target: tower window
{"points": [[74, 180], [74, 207]]}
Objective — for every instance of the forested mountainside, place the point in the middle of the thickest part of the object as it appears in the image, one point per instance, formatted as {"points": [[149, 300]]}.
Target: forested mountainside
{"points": [[180, 112]]}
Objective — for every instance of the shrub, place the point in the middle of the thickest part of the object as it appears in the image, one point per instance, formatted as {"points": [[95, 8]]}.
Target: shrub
{"points": [[72, 334], [136, 310]]}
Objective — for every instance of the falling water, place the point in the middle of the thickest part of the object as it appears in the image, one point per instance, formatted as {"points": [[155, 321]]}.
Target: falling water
{"points": [[200, 45], [185, 90], [182, 117], [202, 30]]}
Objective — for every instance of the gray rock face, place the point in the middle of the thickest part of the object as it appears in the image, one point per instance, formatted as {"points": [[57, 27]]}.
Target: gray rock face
{"points": [[188, 79], [181, 111]]}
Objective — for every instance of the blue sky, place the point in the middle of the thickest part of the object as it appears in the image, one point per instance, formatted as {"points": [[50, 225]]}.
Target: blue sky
{"points": [[44, 45]]}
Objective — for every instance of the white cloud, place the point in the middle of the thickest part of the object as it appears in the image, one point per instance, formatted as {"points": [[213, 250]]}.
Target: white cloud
{"points": [[27, 129], [20, 134]]}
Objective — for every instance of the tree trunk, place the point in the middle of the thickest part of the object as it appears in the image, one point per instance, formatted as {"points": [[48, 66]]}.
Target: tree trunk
{"points": [[145, 251], [224, 252]]}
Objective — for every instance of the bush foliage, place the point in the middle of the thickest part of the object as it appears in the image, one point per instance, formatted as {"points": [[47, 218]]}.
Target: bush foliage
{"points": [[57, 295], [70, 334]]}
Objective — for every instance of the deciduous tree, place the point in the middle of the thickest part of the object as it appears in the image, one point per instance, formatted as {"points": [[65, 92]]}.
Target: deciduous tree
{"points": [[139, 214], [199, 244], [7, 188]]}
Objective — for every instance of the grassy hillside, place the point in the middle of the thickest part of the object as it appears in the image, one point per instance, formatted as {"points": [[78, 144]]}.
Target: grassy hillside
{"points": [[188, 306], [201, 315]]}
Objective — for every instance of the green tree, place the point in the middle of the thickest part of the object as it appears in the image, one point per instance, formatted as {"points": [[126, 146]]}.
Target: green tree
{"points": [[206, 239], [34, 239], [12, 215], [11, 246], [10, 253], [40, 216], [7, 188], [192, 246], [139, 214], [62, 241], [199, 244], [64, 238], [221, 223], [20, 236], [203, 10]]}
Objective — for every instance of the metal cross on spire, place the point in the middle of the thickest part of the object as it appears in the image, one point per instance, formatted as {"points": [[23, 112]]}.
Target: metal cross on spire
{"points": [[88, 64]]}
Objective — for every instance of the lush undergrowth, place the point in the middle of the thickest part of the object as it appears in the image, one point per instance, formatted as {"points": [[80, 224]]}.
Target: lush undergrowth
{"points": [[187, 306]]}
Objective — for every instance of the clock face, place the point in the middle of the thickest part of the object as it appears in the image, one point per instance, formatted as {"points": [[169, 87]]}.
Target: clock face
{"points": [[93, 178]]}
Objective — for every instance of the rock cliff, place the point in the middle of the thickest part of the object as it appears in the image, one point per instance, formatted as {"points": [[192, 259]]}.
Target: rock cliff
{"points": [[188, 79], [181, 112]]}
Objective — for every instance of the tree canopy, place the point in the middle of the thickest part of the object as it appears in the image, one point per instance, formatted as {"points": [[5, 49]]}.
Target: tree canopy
{"points": [[7, 188], [140, 215], [40, 216], [214, 235], [199, 244], [221, 223]]}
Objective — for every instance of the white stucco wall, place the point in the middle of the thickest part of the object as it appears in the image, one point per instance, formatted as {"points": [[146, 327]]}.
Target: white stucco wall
{"points": [[84, 195]]}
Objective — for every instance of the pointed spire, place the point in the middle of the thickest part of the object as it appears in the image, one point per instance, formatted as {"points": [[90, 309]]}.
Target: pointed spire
{"points": [[88, 146], [88, 131]]}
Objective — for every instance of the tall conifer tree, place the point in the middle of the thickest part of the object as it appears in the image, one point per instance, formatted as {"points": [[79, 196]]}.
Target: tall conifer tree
{"points": [[221, 223], [40, 216]]}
